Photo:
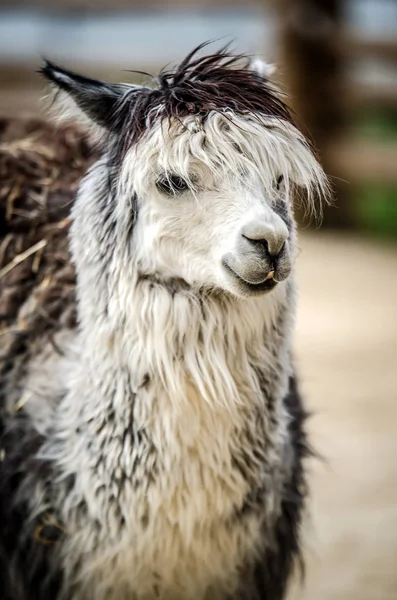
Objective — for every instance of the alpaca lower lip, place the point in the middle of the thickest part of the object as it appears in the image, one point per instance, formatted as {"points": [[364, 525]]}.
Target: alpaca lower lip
{"points": [[267, 285]]}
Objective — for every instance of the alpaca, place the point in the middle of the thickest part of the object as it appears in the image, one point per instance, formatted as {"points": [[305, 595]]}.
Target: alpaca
{"points": [[159, 449]]}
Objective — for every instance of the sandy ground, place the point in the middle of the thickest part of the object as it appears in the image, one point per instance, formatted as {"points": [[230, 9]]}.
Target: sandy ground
{"points": [[346, 348]]}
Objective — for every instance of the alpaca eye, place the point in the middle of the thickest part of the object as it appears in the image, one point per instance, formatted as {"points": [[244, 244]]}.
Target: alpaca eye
{"points": [[172, 185], [279, 181]]}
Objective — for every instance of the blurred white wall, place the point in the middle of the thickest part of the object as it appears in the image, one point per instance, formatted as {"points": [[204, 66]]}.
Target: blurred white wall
{"points": [[130, 39]]}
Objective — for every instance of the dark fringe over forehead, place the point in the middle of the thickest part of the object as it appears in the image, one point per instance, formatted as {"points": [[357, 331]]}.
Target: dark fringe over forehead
{"points": [[218, 82], [222, 82]]}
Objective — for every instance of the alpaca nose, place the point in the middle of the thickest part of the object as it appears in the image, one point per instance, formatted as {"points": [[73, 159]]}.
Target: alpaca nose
{"points": [[269, 239]]}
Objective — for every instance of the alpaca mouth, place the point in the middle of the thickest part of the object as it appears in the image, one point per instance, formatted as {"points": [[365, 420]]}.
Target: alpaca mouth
{"points": [[264, 286]]}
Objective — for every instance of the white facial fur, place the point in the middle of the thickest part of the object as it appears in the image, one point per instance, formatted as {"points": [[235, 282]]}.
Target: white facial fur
{"points": [[231, 165]]}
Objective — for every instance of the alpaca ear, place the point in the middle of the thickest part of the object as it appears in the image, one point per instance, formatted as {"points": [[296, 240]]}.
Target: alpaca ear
{"points": [[263, 69], [82, 96]]}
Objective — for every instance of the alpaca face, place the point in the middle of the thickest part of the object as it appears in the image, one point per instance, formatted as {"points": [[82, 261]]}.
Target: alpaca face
{"points": [[203, 165], [222, 234], [213, 202]]}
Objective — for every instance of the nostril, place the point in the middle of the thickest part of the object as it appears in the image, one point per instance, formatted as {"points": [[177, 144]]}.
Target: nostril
{"points": [[261, 243], [273, 251]]}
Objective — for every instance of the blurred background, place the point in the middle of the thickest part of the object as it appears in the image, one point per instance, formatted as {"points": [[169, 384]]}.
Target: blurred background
{"points": [[337, 60]]}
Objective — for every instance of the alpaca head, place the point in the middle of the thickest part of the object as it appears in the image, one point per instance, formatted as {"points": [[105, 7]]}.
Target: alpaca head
{"points": [[205, 165]]}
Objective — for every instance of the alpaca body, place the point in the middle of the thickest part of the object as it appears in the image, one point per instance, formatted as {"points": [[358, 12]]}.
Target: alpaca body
{"points": [[156, 450], [206, 493]]}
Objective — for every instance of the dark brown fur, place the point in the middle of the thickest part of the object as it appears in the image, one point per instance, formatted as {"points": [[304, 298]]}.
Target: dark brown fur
{"points": [[40, 170], [216, 82]]}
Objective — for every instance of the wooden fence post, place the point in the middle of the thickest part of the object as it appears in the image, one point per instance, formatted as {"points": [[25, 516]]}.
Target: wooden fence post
{"points": [[312, 65]]}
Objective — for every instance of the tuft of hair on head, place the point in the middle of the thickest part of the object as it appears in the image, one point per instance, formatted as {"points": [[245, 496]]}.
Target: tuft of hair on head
{"points": [[201, 85], [221, 82]]}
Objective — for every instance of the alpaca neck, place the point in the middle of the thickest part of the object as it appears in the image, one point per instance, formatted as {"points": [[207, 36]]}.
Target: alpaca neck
{"points": [[177, 370], [176, 336]]}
